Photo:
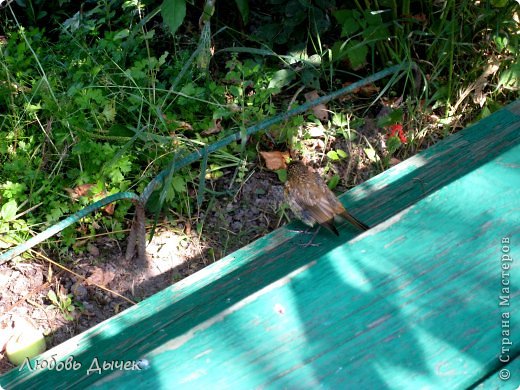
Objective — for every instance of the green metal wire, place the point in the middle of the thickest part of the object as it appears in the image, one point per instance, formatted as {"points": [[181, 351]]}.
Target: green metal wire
{"points": [[63, 224], [179, 162], [202, 177]]}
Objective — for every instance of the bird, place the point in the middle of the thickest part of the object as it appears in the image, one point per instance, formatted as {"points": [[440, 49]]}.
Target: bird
{"points": [[311, 200]]}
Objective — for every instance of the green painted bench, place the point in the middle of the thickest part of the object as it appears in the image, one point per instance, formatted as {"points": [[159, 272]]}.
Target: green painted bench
{"points": [[428, 298]]}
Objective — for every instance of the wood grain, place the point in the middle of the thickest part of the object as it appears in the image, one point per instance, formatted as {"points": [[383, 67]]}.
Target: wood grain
{"points": [[414, 302]]}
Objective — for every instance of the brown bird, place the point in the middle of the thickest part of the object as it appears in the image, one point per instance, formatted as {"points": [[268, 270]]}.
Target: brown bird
{"points": [[312, 201]]}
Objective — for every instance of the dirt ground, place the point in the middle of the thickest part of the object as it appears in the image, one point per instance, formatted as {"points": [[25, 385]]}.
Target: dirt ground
{"points": [[253, 209], [174, 253]]}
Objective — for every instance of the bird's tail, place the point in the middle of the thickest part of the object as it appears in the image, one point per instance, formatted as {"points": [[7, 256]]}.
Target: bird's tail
{"points": [[354, 221]]}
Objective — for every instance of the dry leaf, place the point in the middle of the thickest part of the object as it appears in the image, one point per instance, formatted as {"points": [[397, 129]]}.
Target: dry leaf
{"points": [[109, 208], [477, 86], [420, 17], [394, 161], [320, 111], [314, 144], [275, 160], [316, 131], [181, 125], [100, 277], [92, 249], [364, 91], [79, 191], [80, 243], [479, 96], [216, 128]]}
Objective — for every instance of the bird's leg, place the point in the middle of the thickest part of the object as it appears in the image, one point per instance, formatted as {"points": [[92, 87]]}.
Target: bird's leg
{"points": [[306, 231], [310, 242]]}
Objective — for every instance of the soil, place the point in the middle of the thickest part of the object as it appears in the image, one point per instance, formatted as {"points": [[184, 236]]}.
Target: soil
{"points": [[174, 253], [252, 208]]}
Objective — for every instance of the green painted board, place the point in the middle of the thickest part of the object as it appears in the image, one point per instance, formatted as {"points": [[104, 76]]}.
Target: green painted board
{"points": [[502, 379], [414, 302]]}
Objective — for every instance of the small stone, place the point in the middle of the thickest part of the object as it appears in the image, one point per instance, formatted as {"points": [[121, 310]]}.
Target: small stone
{"points": [[79, 291], [93, 250]]}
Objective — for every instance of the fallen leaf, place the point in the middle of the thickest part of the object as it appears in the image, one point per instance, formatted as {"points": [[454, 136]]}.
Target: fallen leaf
{"points": [[394, 161], [109, 208], [92, 249], [320, 111], [181, 125], [216, 128], [100, 277], [275, 160], [79, 243], [420, 17], [79, 191], [479, 96], [364, 91], [477, 86], [316, 131], [314, 144]]}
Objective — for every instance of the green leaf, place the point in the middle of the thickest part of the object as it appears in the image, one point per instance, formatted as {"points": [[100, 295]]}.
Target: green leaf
{"points": [[341, 153], [357, 53], [485, 112], [333, 182], [355, 50], [173, 13], [282, 78], [8, 211], [118, 130], [282, 175], [510, 78], [348, 21], [121, 34], [311, 78], [339, 119], [395, 116], [499, 3], [243, 7], [333, 155], [149, 35], [52, 297], [178, 184], [392, 144], [371, 154], [33, 107], [109, 111]]}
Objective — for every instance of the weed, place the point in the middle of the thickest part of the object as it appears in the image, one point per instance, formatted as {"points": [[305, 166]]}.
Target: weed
{"points": [[64, 303], [91, 96]]}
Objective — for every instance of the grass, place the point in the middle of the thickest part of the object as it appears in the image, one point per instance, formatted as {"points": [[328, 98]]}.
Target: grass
{"points": [[107, 99], [95, 101]]}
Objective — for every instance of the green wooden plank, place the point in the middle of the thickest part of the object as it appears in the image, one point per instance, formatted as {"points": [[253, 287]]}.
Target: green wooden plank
{"points": [[412, 304], [413, 300], [505, 378]]}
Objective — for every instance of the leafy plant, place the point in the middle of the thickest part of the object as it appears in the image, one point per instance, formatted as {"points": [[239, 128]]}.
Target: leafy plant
{"points": [[63, 303], [288, 21], [95, 97], [174, 11]]}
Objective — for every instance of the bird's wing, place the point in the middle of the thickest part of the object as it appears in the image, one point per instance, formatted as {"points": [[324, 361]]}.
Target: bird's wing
{"points": [[298, 208], [316, 202]]}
